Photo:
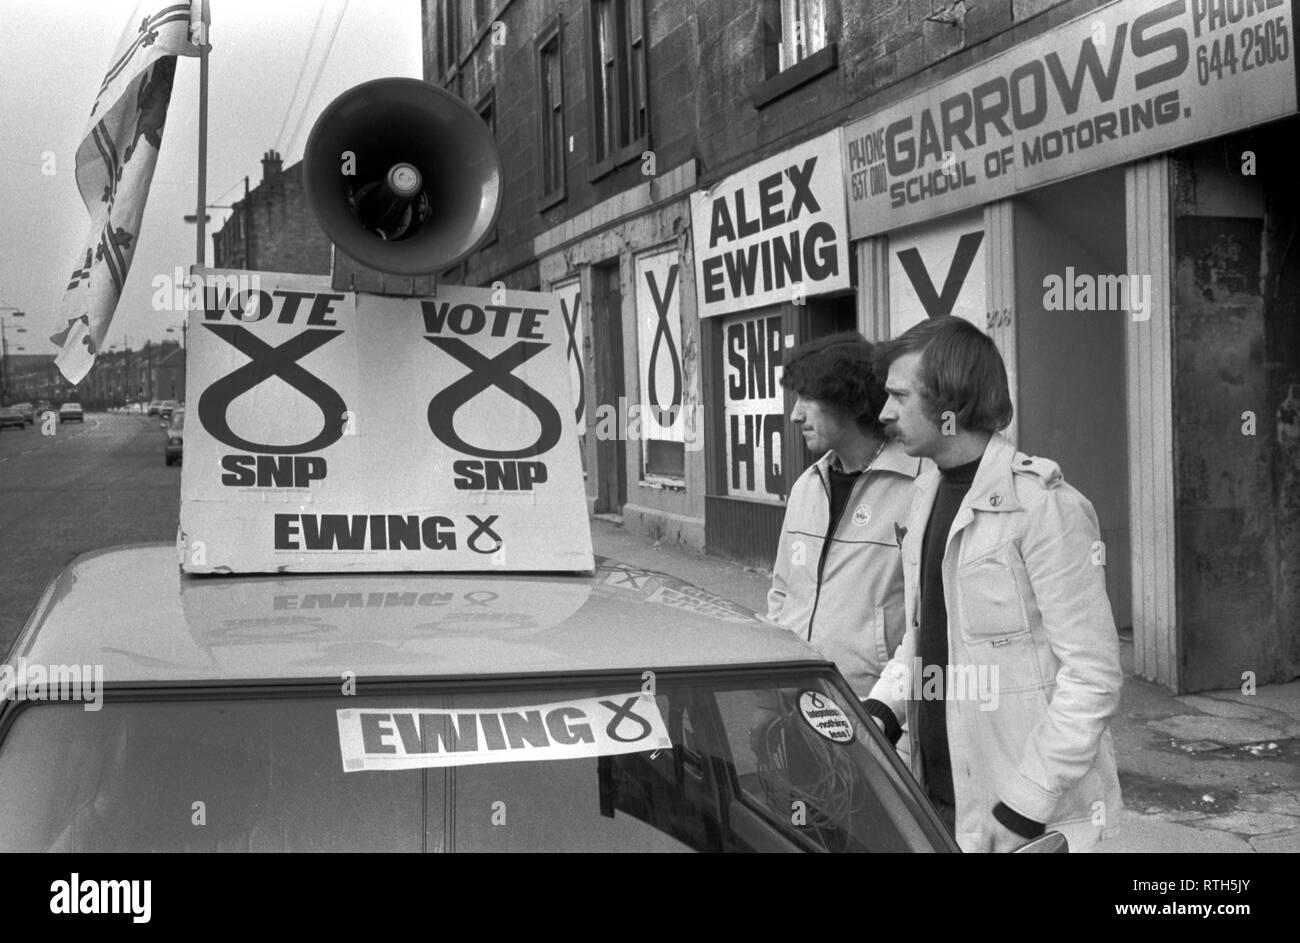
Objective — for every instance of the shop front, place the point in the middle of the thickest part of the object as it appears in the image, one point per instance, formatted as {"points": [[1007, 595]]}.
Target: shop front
{"points": [[1084, 198], [627, 294]]}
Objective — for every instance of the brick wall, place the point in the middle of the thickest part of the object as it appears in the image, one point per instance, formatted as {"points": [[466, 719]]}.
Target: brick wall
{"points": [[705, 61], [283, 234]]}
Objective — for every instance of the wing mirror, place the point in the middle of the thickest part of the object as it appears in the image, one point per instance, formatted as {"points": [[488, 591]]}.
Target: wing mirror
{"points": [[1052, 843]]}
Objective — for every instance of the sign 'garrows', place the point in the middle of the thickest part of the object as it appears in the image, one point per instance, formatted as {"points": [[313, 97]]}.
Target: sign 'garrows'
{"points": [[1124, 81], [333, 431]]}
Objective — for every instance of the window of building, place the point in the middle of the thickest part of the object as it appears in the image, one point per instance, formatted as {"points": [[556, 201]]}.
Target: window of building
{"points": [[486, 108], [446, 28], [551, 113], [619, 109], [803, 30], [798, 45]]}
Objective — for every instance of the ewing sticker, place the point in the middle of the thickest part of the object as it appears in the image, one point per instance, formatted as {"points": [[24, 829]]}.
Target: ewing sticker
{"points": [[825, 716], [861, 515], [381, 739]]}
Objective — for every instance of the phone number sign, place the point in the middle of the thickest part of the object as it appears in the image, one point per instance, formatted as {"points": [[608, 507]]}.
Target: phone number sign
{"points": [[1124, 82]]}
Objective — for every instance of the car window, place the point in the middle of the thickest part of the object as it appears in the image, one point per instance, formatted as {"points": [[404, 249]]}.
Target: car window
{"points": [[781, 764]]}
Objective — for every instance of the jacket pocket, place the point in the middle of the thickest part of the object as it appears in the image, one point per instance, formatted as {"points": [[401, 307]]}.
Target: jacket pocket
{"points": [[879, 639], [991, 603]]}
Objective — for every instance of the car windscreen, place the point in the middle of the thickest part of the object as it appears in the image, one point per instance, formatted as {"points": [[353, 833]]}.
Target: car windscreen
{"points": [[781, 764]]}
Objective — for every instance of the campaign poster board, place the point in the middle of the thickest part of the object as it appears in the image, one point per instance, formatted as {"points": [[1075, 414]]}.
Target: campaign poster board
{"points": [[336, 431], [938, 269], [753, 406]]}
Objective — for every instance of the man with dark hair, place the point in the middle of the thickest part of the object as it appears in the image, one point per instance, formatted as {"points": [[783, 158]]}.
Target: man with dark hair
{"points": [[837, 580], [1009, 671]]}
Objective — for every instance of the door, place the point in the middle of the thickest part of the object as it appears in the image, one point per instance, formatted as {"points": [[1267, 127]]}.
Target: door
{"points": [[611, 389]]}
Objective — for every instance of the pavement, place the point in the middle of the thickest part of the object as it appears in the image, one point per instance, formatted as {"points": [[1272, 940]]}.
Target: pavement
{"points": [[1217, 771]]}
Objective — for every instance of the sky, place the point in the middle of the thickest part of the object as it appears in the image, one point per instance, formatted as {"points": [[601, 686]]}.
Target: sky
{"points": [[53, 55]]}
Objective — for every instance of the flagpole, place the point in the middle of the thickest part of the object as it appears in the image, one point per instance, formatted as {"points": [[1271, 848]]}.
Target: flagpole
{"points": [[202, 199]]}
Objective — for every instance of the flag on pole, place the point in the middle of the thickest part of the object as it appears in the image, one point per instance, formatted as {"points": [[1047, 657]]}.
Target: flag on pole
{"points": [[115, 165]]}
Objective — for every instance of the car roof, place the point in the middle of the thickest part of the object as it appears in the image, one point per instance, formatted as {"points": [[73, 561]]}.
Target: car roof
{"points": [[132, 611]]}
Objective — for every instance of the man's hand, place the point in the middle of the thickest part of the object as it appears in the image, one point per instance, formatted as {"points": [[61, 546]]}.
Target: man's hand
{"points": [[1004, 839]]}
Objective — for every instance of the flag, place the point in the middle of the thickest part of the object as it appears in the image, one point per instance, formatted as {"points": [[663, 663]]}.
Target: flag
{"points": [[115, 164]]}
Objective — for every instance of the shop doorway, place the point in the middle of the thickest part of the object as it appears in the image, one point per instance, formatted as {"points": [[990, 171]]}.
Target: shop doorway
{"points": [[1071, 355], [611, 385]]}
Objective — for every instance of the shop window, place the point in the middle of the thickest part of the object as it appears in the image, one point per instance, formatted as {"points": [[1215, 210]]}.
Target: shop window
{"points": [[550, 74], [617, 80], [797, 46]]}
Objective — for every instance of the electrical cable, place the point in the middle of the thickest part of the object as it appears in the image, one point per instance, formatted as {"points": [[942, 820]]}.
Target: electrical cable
{"points": [[302, 70], [319, 72]]}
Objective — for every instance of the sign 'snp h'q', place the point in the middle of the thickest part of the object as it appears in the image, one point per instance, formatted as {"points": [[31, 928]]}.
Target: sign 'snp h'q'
{"points": [[337, 431]]}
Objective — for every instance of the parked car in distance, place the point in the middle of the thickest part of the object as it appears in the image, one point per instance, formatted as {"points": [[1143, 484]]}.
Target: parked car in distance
{"points": [[11, 416], [70, 412], [167, 407], [28, 411], [154, 407], [175, 437], [43, 406]]}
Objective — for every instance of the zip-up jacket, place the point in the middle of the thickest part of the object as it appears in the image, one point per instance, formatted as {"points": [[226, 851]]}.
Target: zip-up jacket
{"points": [[845, 595]]}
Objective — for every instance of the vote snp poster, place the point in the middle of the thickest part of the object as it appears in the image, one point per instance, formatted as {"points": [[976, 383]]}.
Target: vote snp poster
{"points": [[337, 431]]}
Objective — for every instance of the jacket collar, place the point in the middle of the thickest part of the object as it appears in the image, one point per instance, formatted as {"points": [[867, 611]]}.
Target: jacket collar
{"points": [[993, 488], [892, 458]]}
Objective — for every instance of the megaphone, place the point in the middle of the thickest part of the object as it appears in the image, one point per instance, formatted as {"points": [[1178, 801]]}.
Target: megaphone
{"points": [[402, 176]]}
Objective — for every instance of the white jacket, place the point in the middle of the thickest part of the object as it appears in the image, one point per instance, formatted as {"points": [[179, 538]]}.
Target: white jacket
{"points": [[1030, 630], [843, 592]]}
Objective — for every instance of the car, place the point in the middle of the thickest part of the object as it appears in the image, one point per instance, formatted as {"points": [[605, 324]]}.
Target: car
{"points": [[12, 416], [175, 437], [622, 710], [69, 412], [154, 407], [167, 407], [43, 406], [28, 411]]}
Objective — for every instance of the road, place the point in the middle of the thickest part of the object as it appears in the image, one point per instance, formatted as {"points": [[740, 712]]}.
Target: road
{"points": [[89, 486]]}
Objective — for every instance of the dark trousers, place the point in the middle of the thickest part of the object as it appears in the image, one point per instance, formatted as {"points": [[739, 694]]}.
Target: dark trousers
{"points": [[946, 812]]}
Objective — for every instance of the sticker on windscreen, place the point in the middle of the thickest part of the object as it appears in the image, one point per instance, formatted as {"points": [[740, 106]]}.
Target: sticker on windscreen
{"points": [[391, 739], [826, 717]]}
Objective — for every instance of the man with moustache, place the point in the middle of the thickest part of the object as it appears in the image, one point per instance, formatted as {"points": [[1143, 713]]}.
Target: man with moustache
{"points": [[1001, 574], [837, 580]]}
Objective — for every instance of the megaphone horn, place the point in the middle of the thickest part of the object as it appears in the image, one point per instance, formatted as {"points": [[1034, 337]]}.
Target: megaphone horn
{"points": [[403, 176]]}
